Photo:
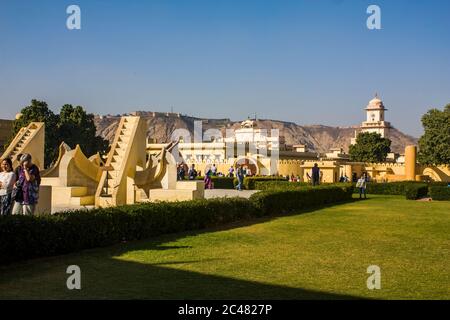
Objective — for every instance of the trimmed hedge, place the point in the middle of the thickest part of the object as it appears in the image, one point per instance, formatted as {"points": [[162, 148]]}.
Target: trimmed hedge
{"points": [[250, 182], [221, 182], [416, 191], [440, 193], [390, 188], [412, 190], [280, 185], [272, 202], [26, 237]]}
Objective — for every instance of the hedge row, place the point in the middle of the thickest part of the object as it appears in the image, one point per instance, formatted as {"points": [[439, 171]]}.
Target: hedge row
{"points": [[390, 188], [416, 191], [25, 237], [412, 190], [221, 182], [281, 185], [250, 182], [439, 193], [272, 202]]}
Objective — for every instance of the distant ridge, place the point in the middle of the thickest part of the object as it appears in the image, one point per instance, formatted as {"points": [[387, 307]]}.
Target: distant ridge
{"points": [[319, 138]]}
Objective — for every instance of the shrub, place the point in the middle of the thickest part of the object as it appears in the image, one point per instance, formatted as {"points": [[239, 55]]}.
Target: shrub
{"points": [[272, 202], [25, 237], [440, 193], [249, 182], [221, 182], [416, 191], [390, 188], [280, 185]]}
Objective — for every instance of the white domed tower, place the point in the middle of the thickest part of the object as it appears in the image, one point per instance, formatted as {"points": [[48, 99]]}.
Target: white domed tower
{"points": [[375, 121]]}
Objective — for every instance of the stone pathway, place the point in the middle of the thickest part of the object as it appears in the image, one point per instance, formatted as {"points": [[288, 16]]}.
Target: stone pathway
{"points": [[228, 193]]}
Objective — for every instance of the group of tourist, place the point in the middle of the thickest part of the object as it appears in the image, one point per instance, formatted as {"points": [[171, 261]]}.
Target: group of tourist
{"points": [[19, 188], [315, 177], [240, 171]]}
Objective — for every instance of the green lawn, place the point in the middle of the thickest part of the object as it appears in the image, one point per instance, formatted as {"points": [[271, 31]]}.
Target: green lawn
{"points": [[321, 254]]}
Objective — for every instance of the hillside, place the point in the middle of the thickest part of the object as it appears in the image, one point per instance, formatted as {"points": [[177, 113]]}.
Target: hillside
{"points": [[318, 138]]}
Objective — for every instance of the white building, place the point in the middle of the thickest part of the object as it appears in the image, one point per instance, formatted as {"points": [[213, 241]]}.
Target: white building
{"points": [[375, 121]]}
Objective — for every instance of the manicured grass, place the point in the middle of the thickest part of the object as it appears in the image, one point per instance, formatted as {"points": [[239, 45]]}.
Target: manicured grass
{"points": [[321, 254]]}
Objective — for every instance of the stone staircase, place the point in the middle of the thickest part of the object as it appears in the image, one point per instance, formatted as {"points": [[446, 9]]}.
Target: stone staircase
{"points": [[63, 196], [22, 142], [117, 162]]}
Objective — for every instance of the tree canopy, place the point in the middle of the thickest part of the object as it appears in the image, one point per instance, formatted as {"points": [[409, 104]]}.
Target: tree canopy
{"points": [[72, 125], [434, 145], [370, 147]]}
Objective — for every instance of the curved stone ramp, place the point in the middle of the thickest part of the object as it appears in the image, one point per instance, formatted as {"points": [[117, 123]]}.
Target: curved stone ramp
{"points": [[74, 178]]}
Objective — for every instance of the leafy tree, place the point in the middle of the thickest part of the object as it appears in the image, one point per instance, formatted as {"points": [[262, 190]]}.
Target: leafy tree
{"points": [[73, 126], [78, 127], [370, 147], [434, 145]]}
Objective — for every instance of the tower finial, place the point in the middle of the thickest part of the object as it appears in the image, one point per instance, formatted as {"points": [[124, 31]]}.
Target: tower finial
{"points": [[376, 95]]}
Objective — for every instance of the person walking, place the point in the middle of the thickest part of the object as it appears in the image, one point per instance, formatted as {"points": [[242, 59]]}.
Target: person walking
{"points": [[208, 180], [362, 185], [240, 176], [192, 173], [26, 189], [7, 180], [181, 172], [214, 170], [315, 175], [231, 172]]}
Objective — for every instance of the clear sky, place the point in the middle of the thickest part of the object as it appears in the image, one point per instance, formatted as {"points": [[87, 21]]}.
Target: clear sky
{"points": [[310, 61]]}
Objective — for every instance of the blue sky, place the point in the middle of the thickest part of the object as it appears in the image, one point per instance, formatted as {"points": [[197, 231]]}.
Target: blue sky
{"points": [[311, 62]]}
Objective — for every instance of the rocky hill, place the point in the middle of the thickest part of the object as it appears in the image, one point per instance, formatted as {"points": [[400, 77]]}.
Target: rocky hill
{"points": [[318, 138]]}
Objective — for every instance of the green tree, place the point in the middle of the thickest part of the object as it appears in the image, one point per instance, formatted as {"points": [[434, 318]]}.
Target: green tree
{"points": [[370, 147], [73, 126], [78, 127], [434, 145]]}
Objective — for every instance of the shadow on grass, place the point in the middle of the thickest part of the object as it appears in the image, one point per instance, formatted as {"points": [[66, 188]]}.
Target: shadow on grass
{"points": [[142, 281], [107, 277]]}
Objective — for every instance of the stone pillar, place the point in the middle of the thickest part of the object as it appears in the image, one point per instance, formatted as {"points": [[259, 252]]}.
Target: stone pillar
{"points": [[348, 171], [410, 163]]}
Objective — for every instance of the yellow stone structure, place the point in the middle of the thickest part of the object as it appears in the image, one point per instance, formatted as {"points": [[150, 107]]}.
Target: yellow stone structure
{"points": [[127, 155], [74, 178], [410, 163], [30, 139], [129, 178], [136, 171], [296, 160]]}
